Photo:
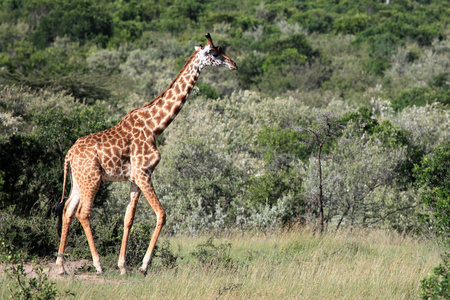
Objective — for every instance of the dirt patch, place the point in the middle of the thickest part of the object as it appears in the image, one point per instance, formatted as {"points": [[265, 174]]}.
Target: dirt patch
{"points": [[72, 268]]}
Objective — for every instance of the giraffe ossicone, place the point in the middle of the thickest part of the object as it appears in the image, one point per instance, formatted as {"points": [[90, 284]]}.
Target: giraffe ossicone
{"points": [[127, 152]]}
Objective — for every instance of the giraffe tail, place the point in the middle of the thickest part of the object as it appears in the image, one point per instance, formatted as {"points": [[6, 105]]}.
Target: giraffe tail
{"points": [[60, 207]]}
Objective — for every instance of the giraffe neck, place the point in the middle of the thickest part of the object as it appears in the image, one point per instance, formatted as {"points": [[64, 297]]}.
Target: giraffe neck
{"points": [[168, 104]]}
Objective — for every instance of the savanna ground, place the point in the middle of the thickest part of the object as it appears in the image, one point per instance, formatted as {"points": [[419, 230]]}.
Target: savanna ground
{"points": [[294, 264]]}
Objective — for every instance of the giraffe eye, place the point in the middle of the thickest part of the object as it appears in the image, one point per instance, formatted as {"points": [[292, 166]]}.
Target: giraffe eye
{"points": [[215, 54]]}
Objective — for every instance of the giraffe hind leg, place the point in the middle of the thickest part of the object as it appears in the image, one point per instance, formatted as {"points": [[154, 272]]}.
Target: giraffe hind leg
{"points": [[68, 213], [83, 214]]}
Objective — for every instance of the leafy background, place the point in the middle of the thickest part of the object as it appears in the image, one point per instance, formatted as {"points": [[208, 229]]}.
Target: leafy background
{"points": [[241, 154]]}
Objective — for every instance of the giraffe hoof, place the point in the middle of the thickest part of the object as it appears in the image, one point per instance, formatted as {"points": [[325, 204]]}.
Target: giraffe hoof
{"points": [[99, 273], [143, 272], [60, 270]]}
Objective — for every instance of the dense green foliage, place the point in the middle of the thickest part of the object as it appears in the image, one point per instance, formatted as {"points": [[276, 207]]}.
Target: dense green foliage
{"points": [[242, 153], [437, 284], [48, 40], [434, 176]]}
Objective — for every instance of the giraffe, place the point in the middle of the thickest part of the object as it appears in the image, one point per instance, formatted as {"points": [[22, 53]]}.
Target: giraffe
{"points": [[127, 152]]}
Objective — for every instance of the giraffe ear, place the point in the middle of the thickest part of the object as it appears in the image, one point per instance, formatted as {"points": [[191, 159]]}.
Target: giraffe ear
{"points": [[198, 47]]}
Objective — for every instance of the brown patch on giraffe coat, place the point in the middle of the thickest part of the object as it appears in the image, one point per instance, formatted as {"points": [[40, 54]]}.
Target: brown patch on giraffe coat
{"points": [[159, 103], [150, 124], [154, 110], [157, 118], [145, 114]]}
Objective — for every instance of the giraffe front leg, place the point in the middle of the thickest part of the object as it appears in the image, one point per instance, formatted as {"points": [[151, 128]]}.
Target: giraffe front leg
{"points": [[144, 162], [128, 222], [150, 194], [161, 220]]}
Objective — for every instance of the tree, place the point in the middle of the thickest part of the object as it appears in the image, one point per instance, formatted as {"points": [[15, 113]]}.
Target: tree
{"points": [[358, 181], [326, 128]]}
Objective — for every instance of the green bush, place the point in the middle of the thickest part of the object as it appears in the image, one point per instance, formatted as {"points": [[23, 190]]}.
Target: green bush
{"points": [[315, 20], [33, 236], [437, 285], [420, 96], [287, 56], [273, 141], [433, 175], [138, 243], [212, 256], [164, 256], [208, 91], [351, 24], [81, 20], [25, 286], [250, 70], [275, 44], [33, 162], [268, 188]]}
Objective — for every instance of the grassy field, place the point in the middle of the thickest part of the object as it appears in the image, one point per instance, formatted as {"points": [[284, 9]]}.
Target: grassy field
{"points": [[284, 265]]}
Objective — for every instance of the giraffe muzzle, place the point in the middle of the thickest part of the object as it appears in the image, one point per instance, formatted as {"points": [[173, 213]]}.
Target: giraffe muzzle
{"points": [[232, 65]]}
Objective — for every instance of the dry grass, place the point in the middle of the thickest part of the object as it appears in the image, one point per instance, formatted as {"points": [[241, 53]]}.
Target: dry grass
{"points": [[371, 264]]}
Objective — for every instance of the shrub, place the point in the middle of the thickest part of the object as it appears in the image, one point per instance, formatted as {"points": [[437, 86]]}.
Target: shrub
{"points": [[212, 256], [250, 69], [276, 140], [420, 96], [276, 45], [81, 20], [437, 285], [433, 175], [315, 20], [413, 66], [83, 87], [165, 256], [351, 24], [208, 91], [289, 208], [367, 157], [427, 125], [139, 240], [34, 236], [33, 162], [380, 49], [39, 287]]}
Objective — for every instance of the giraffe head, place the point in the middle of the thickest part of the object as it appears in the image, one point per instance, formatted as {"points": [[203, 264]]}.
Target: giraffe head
{"points": [[211, 55]]}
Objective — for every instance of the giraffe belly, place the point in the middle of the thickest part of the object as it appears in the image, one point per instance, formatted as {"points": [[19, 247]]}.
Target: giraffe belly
{"points": [[117, 172]]}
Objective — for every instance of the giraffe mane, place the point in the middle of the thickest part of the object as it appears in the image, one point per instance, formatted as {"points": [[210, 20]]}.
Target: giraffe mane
{"points": [[173, 81]]}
